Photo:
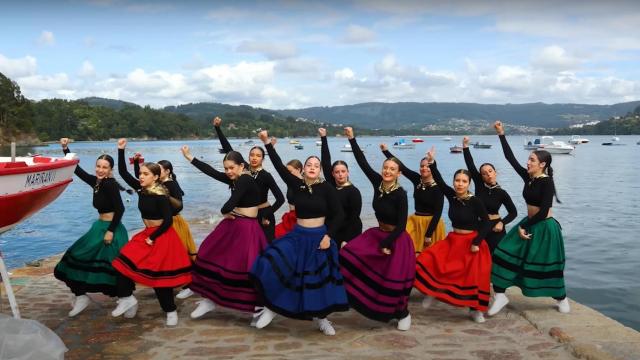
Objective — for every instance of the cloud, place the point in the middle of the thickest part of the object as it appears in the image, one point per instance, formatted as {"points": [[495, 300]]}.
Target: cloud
{"points": [[344, 74], [15, 68], [356, 34], [46, 38], [271, 50], [299, 65], [149, 8], [87, 69], [555, 58]]}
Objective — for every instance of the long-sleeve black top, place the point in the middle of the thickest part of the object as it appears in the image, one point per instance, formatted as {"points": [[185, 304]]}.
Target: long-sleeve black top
{"points": [[349, 196], [465, 214], [244, 190], [175, 191], [151, 206], [106, 195], [428, 198], [491, 196], [390, 208], [536, 192], [312, 201], [263, 178]]}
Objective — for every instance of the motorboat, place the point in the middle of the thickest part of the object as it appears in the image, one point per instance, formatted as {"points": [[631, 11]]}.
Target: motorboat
{"points": [[346, 148], [417, 140], [294, 142], [456, 149], [577, 140], [318, 143], [298, 146], [615, 141], [552, 146], [402, 144], [479, 145], [447, 138], [532, 145]]}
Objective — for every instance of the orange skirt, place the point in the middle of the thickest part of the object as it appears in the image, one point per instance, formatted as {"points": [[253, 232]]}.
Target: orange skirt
{"points": [[417, 227], [182, 228]]}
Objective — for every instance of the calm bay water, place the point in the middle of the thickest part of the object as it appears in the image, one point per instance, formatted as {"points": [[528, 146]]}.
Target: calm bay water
{"points": [[598, 187]]}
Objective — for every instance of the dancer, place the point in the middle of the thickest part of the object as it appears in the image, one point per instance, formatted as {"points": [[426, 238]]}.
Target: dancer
{"points": [[425, 226], [265, 183], [456, 270], [298, 274], [221, 270], [337, 174], [155, 256], [288, 220], [491, 195], [531, 255], [379, 265], [86, 266]]}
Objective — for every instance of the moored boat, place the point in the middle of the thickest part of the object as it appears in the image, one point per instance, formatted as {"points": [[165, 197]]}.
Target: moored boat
{"points": [[577, 140], [402, 144], [417, 140], [456, 149], [479, 145], [615, 141]]}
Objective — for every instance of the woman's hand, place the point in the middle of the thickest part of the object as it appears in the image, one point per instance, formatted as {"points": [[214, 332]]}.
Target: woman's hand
{"points": [[475, 248], [264, 136], [322, 132], [431, 155], [122, 143], [499, 128], [229, 216], [325, 243], [427, 242], [265, 222], [65, 143], [108, 238], [186, 152], [523, 234], [498, 227], [149, 241], [273, 141], [137, 156], [348, 131], [384, 147], [465, 142], [216, 121], [386, 251]]}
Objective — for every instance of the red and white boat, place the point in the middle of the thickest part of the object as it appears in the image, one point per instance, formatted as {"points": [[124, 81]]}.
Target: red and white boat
{"points": [[417, 140], [28, 184]]}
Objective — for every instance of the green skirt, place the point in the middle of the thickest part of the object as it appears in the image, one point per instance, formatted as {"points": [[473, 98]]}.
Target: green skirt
{"points": [[536, 266], [86, 266]]}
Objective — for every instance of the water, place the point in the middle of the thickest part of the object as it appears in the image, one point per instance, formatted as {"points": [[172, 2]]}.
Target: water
{"points": [[598, 186]]}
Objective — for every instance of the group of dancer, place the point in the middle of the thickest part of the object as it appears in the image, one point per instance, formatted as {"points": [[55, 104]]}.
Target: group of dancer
{"points": [[318, 260]]}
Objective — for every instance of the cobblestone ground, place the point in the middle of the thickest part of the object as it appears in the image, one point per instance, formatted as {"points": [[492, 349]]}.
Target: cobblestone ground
{"points": [[441, 332]]}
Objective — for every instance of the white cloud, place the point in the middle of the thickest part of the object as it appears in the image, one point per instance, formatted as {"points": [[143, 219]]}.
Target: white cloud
{"points": [[345, 74], [299, 66], [14, 68], [356, 34], [271, 50], [555, 58], [46, 38], [87, 69]]}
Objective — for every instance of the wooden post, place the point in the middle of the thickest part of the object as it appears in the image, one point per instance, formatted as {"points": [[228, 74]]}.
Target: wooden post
{"points": [[13, 151]]}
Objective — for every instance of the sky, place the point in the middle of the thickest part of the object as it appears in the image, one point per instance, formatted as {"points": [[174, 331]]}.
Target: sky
{"points": [[294, 54]]}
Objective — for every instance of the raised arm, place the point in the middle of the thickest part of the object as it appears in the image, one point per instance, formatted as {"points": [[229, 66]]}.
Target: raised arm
{"points": [[471, 166], [413, 176], [226, 146], [437, 177], [136, 165], [122, 167], [508, 154], [287, 177], [325, 157], [401, 214], [373, 176], [83, 175], [204, 167]]}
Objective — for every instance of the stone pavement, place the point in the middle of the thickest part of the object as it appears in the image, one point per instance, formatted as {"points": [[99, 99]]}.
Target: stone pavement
{"points": [[441, 332]]}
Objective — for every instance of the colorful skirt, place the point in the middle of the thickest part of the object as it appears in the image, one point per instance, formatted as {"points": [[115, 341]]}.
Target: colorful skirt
{"points": [[221, 270], [536, 266], [286, 225], [86, 265], [451, 273], [417, 227], [298, 280], [181, 227], [163, 264], [378, 285]]}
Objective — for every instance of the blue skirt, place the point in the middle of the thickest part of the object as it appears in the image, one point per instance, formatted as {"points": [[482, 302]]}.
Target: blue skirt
{"points": [[296, 279]]}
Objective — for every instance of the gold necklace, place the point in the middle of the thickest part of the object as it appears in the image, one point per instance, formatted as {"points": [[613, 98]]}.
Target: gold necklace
{"points": [[385, 191]]}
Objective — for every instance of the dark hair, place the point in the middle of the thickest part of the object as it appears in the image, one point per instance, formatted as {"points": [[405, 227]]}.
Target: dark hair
{"points": [[259, 148], [154, 168], [464, 172], [487, 164], [166, 164], [109, 159], [234, 156], [311, 157], [395, 160], [545, 157], [339, 162], [295, 163]]}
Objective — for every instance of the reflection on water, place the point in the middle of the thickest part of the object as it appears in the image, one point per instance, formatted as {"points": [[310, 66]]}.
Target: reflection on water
{"points": [[20, 150], [597, 185]]}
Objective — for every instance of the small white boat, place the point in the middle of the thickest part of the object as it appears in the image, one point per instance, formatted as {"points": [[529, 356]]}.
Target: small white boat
{"points": [[318, 143], [346, 148], [447, 138], [577, 140], [615, 141], [298, 146], [456, 149], [479, 145], [417, 140], [532, 145], [402, 144], [555, 146], [294, 142]]}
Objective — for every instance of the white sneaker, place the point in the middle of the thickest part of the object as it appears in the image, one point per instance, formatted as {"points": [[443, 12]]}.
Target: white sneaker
{"points": [[265, 319], [477, 316], [124, 304], [325, 326], [427, 301], [500, 300], [563, 306], [172, 318], [204, 306], [256, 314], [80, 303], [404, 324], [131, 313], [184, 293]]}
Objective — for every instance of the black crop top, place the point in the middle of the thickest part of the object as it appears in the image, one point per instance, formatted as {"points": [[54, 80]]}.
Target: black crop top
{"points": [[314, 201], [349, 196], [428, 198], [467, 214], [536, 192], [263, 178], [151, 206], [390, 208], [175, 191], [106, 195], [244, 190], [491, 196]]}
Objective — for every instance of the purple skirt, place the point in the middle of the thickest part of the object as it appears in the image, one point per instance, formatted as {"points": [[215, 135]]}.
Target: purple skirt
{"points": [[221, 269], [378, 285]]}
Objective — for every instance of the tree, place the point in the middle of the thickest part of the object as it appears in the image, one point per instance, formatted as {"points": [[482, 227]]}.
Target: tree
{"points": [[15, 110]]}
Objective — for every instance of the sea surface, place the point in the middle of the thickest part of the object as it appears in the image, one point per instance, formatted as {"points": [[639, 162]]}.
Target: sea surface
{"points": [[598, 185]]}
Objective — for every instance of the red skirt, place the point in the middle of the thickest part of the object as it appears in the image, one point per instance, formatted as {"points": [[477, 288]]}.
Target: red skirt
{"points": [[451, 273], [163, 264], [286, 225]]}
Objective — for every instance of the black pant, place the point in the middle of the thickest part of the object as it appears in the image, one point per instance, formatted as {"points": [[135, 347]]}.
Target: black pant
{"points": [[125, 288], [499, 290]]}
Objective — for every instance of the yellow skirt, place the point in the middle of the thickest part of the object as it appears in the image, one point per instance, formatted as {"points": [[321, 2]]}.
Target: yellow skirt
{"points": [[182, 228], [417, 226]]}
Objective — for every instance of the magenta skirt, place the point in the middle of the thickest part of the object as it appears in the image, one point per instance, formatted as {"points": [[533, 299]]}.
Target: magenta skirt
{"points": [[378, 285], [221, 269]]}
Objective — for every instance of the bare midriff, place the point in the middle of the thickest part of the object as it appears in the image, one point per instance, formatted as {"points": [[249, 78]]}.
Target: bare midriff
{"points": [[106, 216], [311, 223], [250, 212], [462, 231], [533, 210]]}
